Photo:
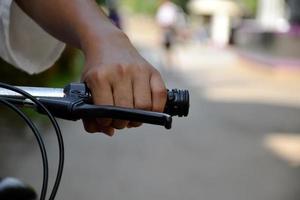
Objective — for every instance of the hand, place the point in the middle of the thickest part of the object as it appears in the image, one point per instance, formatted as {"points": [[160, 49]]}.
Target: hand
{"points": [[114, 70], [117, 75]]}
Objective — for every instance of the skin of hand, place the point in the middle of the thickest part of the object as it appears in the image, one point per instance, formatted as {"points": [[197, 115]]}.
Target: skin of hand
{"points": [[114, 71]]}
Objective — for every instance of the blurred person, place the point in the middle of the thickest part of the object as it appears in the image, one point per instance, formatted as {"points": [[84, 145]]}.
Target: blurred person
{"points": [[294, 12], [33, 34], [294, 6], [113, 12], [203, 31], [167, 18]]}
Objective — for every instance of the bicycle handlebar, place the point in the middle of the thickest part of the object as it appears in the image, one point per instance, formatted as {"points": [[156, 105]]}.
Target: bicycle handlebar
{"points": [[74, 102]]}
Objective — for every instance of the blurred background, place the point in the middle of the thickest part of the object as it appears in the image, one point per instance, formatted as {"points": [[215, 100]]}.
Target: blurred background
{"points": [[241, 62]]}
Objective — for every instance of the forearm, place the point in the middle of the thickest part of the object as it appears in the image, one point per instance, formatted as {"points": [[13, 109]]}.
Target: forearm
{"points": [[80, 23]]}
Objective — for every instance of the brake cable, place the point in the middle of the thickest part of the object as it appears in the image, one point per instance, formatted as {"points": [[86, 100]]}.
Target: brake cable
{"points": [[40, 143], [40, 140]]}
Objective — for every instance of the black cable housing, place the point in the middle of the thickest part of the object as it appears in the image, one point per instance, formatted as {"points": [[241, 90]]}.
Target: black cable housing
{"points": [[40, 143], [40, 140]]}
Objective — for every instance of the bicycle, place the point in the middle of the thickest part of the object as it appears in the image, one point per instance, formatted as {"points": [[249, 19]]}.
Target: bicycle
{"points": [[73, 102]]}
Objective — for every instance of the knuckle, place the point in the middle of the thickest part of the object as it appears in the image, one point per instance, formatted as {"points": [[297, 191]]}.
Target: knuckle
{"points": [[96, 76], [160, 92], [121, 70], [155, 71], [142, 69], [147, 68]]}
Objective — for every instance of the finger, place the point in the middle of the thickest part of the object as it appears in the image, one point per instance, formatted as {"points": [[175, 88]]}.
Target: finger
{"points": [[134, 124], [102, 95], [108, 131], [142, 92], [159, 92], [122, 93], [142, 95], [92, 126]]}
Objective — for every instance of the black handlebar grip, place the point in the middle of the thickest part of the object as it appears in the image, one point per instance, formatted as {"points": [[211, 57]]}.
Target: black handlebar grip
{"points": [[77, 104], [178, 103]]}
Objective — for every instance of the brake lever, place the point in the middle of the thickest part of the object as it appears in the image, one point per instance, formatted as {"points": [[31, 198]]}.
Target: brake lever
{"points": [[93, 111], [78, 109]]}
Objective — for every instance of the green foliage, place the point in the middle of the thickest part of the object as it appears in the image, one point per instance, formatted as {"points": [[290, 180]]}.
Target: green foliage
{"points": [[250, 5], [145, 6], [148, 6], [100, 1]]}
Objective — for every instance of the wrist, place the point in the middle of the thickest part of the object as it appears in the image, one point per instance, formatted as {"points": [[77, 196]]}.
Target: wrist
{"points": [[96, 38]]}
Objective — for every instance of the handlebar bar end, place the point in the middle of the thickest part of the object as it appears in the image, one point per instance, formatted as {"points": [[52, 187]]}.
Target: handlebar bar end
{"points": [[178, 103], [168, 124]]}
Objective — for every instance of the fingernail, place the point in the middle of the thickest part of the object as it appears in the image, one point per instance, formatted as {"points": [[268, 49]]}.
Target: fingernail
{"points": [[110, 132]]}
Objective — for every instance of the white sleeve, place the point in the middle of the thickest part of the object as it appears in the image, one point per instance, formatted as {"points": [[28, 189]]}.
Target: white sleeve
{"points": [[23, 43]]}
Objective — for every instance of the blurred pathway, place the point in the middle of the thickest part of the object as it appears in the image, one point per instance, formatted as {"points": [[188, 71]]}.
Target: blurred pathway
{"points": [[217, 153]]}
